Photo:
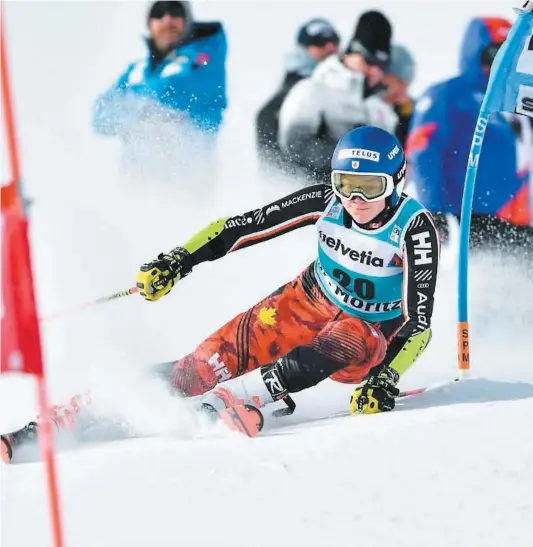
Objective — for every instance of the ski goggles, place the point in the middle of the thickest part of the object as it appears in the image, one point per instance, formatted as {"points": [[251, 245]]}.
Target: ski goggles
{"points": [[368, 186]]}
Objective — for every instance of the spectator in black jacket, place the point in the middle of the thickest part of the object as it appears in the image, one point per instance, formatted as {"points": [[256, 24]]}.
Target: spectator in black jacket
{"points": [[316, 40]]}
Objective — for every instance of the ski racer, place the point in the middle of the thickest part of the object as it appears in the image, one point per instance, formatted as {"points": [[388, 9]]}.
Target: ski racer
{"points": [[360, 313], [439, 144]]}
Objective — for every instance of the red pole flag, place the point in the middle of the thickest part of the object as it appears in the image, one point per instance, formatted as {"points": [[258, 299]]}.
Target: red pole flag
{"points": [[21, 347], [20, 338]]}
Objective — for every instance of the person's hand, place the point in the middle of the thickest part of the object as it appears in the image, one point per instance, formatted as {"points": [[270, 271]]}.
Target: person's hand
{"points": [[377, 393], [156, 278]]}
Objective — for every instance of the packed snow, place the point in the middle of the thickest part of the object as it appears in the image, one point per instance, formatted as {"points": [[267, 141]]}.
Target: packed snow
{"points": [[450, 467]]}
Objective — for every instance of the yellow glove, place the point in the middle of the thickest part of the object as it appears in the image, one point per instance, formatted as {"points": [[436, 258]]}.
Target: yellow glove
{"points": [[156, 278], [376, 393]]}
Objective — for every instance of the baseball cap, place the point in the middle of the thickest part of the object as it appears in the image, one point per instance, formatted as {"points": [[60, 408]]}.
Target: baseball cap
{"points": [[317, 32]]}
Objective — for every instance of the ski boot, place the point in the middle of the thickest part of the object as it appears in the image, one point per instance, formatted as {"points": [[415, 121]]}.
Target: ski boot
{"points": [[65, 419], [25, 436]]}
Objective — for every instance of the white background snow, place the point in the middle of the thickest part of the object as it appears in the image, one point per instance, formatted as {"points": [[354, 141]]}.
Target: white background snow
{"points": [[453, 467]]}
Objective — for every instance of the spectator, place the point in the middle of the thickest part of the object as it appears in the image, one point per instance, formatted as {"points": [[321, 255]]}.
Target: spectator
{"points": [[182, 80], [397, 81], [439, 144], [342, 93], [316, 40]]}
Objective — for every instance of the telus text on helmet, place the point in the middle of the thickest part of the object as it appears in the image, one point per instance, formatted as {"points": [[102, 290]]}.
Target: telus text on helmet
{"points": [[360, 153]]}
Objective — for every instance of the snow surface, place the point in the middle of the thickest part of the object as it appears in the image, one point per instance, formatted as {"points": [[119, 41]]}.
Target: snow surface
{"points": [[451, 467]]}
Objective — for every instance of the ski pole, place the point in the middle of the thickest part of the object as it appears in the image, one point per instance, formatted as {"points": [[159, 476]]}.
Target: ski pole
{"points": [[101, 300], [410, 392]]}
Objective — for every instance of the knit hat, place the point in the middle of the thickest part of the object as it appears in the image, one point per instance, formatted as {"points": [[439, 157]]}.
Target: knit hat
{"points": [[402, 64], [173, 7], [317, 32], [372, 38]]}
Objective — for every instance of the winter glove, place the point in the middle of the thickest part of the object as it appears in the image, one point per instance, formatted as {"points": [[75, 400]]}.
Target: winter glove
{"points": [[376, 393], [156, 278]]}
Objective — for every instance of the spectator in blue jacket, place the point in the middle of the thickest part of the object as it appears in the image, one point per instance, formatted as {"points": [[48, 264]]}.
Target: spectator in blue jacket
{"points": [[181, 80], [439, 144]]}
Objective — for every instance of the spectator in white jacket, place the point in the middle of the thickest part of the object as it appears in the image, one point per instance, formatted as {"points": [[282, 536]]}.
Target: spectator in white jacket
{"points": [[342, 93]]}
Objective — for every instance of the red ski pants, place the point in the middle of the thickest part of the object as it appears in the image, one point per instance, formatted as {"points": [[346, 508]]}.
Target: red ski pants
{"points": [[297, 314]]}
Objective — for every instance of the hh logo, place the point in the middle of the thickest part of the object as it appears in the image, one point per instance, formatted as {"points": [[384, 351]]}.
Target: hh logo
{"points": [[219, 367], [422, 248]]}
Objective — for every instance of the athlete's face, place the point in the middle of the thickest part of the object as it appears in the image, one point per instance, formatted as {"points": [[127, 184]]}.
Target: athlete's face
{"points": [[362, 211]]}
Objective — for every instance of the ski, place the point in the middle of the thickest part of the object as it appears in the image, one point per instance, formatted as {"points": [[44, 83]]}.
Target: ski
{"points": [[246, 419]]}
